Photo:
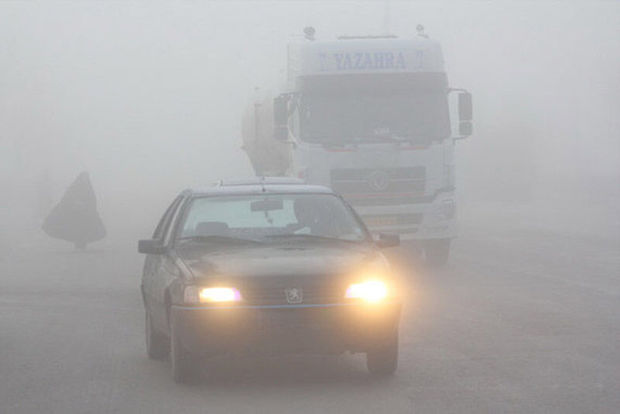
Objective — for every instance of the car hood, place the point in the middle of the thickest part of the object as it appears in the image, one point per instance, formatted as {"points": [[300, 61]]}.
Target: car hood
{"points": [[277, 261]]}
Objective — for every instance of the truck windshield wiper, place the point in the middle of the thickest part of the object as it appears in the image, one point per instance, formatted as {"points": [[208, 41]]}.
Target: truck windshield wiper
{"points": [[309, 237], [217, 239]]}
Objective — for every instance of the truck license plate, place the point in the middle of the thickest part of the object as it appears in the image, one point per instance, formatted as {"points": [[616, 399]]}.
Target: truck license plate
{"points": [[378, 221]]}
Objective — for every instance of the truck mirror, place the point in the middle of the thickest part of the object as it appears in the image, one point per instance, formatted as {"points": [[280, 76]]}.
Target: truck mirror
{"points": [[465, 128], [280, 110], [280, 118], [280, 132], [465, 107]]}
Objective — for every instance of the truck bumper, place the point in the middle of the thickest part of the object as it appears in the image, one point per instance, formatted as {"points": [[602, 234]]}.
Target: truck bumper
{"points": [[423, 221], [331, 328]]}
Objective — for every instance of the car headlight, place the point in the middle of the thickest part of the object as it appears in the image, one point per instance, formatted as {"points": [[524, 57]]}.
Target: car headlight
{"points": [[197, 294], [372, 291]]}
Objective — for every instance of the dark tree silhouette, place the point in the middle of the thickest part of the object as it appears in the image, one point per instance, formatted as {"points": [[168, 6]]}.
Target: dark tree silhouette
{"points": [[75, 217]]}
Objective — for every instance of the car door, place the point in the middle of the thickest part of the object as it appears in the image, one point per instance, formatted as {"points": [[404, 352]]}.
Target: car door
{"points": [[150, 283], [166, 271]]}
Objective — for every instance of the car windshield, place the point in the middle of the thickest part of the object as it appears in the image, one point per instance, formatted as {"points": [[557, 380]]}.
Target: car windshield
{"points": [[270, 218]]}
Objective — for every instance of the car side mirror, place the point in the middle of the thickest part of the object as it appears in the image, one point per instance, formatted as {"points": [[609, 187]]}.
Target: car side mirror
{"points": [[151, 247], [387, 240]]}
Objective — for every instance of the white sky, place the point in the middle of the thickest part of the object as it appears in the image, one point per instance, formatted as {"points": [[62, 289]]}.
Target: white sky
{"points": [[149, 95]]}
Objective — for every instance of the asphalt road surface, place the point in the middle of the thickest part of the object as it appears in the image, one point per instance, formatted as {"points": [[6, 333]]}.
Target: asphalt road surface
{"points": [[526, 318]]}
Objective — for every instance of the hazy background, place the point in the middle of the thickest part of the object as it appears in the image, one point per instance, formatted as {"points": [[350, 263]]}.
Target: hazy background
{"points": [[148, 97]]}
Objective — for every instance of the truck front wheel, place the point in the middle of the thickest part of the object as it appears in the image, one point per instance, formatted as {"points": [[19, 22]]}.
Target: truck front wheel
{"points": [[437, 252]]}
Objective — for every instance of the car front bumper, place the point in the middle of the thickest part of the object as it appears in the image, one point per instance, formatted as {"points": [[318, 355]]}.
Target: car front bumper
{"points": [[331, 328]]}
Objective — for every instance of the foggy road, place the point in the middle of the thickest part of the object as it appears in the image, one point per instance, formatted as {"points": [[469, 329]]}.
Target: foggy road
{"points": [[371, 98], [526, 318]]}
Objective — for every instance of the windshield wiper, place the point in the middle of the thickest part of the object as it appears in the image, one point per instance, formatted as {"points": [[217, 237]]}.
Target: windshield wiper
{"points": [[309, 237], [217, 239]]}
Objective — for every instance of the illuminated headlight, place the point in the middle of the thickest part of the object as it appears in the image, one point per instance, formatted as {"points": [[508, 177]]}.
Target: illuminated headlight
{"points": [[197, 294], [372, 291]]}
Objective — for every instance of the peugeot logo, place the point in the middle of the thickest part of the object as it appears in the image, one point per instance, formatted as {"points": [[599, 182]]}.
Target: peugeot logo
{"points": [[294, 295], [378, 180]]}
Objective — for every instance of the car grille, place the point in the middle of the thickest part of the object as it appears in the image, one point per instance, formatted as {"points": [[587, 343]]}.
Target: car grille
{"points": [[259, 295], [367, 186]]}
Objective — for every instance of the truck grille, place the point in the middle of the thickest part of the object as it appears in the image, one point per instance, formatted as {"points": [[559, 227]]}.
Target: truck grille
{"points": [[367, 186]]}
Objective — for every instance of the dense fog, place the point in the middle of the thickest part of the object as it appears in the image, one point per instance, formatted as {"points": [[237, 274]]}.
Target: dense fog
{"points": [[148, 97], [519, 313]]}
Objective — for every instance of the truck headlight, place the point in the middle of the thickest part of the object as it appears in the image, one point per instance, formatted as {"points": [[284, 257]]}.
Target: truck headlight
{"points": [[446, 210], [372, 291], [197, 294]]}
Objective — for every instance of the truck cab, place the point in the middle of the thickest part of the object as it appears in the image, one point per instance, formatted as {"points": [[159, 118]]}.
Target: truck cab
{"points": [[370, 118]]}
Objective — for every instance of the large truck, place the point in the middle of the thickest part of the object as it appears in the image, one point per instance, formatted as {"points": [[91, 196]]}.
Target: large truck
{"points": [[370, 117]]}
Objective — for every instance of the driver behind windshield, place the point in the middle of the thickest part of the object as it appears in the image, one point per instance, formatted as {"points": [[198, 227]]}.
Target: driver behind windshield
{"points": [[259, 218], [315, 217]]}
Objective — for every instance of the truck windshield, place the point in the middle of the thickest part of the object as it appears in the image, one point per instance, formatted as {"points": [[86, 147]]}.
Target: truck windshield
{"points": [[417, 117]]}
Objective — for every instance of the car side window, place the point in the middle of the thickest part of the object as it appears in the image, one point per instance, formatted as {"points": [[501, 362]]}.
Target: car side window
{"points": [[162, 226]]}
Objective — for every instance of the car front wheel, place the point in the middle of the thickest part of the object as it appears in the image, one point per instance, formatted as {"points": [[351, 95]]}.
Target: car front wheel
{"points": [[383, 360], [184, 366], [157, 345]]}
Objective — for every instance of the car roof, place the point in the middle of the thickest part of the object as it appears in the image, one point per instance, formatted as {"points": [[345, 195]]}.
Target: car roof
{"points": [[260, 185], [262, 180]]}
